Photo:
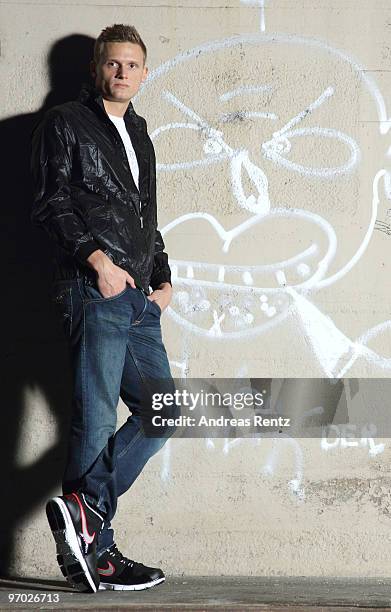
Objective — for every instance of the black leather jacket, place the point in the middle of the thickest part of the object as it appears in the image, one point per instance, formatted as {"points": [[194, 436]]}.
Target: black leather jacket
{"points": [[85, 196]]}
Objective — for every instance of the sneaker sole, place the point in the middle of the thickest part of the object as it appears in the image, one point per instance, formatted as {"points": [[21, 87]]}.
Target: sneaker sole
{"points": [[106, 586], [69, 556]]}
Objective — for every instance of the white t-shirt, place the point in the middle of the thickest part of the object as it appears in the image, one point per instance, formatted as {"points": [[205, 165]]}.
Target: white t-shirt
{"points": [[132, 159]]}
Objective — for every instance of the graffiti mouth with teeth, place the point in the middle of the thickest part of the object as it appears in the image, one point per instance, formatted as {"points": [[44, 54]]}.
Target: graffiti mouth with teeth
{"points": [[247, 296]]}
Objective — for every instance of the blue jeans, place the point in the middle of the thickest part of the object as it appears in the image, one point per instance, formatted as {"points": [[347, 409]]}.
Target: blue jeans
{"points": [[115, 345]]}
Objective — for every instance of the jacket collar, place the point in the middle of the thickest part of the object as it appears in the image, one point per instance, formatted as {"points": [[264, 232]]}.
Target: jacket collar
{"points": [[92, 97]]}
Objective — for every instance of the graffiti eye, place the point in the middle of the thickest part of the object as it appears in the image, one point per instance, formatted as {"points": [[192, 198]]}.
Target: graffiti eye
{"points": [[316, 144], [186, 145]]}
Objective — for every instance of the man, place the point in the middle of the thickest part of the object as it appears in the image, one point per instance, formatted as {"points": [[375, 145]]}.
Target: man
{"points": [[94, 174]]}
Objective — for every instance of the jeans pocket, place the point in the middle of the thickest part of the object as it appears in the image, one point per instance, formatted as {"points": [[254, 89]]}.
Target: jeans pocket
{"points": [[92, 293], [140, 307], [156, 305], [61, 297]]}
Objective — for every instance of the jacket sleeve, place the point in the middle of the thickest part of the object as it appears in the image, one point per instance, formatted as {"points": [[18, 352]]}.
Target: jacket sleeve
{"points": [[161, 272], [51, 169]]}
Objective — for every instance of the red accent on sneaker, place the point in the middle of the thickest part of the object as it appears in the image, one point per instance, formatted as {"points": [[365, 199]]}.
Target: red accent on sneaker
{"points": [[88, 538], [106, 571]]}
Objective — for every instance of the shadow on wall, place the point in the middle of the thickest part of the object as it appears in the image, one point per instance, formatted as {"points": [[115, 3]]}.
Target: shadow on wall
{"points": [[35, 358]]}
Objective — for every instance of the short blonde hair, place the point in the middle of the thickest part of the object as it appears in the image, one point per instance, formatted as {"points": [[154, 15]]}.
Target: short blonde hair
{"points": [[118, 33]]}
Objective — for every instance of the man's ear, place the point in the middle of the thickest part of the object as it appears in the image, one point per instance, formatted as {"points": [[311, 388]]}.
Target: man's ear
{"points": [[93, 68], [145, 73]]}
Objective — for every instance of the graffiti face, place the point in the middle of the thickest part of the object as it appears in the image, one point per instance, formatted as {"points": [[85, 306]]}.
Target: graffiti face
{"points": [[259, 148]]}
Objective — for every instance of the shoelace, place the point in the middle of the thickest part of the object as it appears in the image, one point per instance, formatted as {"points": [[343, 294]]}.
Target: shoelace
{"points": [[114, 552]]}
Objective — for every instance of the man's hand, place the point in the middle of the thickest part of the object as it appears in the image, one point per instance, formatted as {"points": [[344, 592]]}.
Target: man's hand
{"points": [[111, 278], [162, 295]]}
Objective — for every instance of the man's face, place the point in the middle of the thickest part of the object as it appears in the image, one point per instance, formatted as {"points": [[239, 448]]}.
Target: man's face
{"points": [[120, 71]]}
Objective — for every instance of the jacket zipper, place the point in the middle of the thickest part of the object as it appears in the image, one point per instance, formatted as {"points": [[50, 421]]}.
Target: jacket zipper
{"points": [[121, 144]]}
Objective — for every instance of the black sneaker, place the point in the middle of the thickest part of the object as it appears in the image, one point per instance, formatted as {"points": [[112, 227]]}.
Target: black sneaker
{"points": [[117, 573], [75, 526]]}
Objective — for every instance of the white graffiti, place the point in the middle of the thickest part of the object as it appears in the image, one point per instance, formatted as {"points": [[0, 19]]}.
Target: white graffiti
{"points": [[261, 5], [310, 108], [217, 273], [268, 294], [295, 484], [288, 39], [363, 246], [260, 203], [221, 300], [281, 144], [246, 89], [345, 436]]}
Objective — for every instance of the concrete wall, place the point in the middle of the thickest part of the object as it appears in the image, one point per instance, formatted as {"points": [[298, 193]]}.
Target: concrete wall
{"points": [[270, 123]]}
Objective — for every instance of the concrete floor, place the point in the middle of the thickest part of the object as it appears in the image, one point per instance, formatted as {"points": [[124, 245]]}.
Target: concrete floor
{"points": [[210, 593]]}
